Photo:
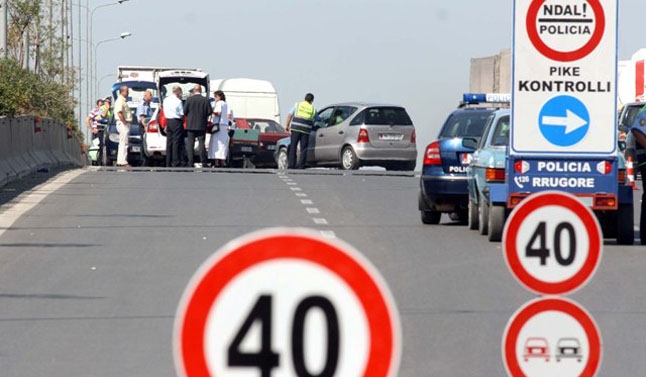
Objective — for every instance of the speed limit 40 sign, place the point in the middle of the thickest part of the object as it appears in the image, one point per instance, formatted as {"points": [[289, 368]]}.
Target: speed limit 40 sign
{"points": [[552, 243], [287, 302]]}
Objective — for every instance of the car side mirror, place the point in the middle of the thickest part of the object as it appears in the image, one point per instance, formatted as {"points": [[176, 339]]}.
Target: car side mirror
{"points": [[470, 143]]}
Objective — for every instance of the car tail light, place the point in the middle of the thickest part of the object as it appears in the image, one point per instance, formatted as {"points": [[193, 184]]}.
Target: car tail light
{"points": [[413, 137], [621, 177], [432, 155], [363, 136], [152, 126], [495, 175], [605, 201]]}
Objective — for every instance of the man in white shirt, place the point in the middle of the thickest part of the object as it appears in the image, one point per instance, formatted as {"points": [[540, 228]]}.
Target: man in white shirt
{"points": [[174, 112], [124, 120]]}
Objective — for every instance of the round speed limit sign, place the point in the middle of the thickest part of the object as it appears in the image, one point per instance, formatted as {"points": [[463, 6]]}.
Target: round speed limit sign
{"points": [[552, 243], [287, 302]]}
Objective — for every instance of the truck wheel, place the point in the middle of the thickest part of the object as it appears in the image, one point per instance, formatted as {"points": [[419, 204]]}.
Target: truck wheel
{"points": [[496, 222], [473, 216], [625, 230], [431, 217], [483, 217]]}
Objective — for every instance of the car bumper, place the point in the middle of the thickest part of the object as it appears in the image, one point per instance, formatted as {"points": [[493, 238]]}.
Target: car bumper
{"points": [[445, 194], [367, 153], [265, 158], [155, 144]]}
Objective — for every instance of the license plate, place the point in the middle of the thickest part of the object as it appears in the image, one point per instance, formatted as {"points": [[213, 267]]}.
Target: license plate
{"points": [[391, 137], [246, 149], [271, 147], [136, 149]]}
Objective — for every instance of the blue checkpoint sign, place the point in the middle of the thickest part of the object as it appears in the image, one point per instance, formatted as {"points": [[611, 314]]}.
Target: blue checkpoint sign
{"points": [[564, 121]]}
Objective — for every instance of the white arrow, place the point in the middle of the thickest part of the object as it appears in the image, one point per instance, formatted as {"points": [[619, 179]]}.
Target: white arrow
{"points": [[570, 121]]}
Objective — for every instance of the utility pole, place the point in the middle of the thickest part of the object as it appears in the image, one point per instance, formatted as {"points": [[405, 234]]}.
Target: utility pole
{"points": [[4, 28], [25, 44]]}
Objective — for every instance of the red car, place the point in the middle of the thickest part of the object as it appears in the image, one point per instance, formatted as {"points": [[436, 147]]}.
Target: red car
{"points": [[270, 133]]}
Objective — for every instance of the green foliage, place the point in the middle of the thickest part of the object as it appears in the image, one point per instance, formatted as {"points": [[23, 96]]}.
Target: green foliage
{"points": [[26, 93]]}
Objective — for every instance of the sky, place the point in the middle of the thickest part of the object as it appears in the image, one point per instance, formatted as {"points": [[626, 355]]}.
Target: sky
{"points": [[414, 53]]}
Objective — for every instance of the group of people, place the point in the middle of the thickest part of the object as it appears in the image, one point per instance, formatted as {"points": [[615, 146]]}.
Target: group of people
{"points": [[186, 122]]}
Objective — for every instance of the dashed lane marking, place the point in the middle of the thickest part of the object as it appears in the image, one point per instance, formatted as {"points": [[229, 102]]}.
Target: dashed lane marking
{"points": [[307, 202], [313, 211], [296, 189], [328, 234], [319, 221], [301, 195]]}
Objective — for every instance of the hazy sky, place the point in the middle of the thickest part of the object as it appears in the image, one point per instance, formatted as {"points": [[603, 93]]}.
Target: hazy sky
{"points": [[414, 53]]}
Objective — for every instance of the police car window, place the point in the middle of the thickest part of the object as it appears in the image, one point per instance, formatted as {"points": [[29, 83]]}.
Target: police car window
{"points": [[501, 134], [486, 131], [465, 124]]}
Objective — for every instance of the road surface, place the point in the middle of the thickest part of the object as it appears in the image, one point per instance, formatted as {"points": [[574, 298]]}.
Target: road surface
{"points": [[91, 274]]}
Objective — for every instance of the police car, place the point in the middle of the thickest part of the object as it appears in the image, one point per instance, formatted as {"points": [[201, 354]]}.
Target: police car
{"points": [[443, 183]]}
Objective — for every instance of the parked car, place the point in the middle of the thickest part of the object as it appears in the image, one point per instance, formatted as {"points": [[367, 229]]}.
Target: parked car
{"points": [[135, 142], [443, 183], [270, 132], [154, 137], [355, 134], [485, 173]]}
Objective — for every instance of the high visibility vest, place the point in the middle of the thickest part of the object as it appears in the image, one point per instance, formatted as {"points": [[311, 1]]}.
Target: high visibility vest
{"points": [[303, 120]]}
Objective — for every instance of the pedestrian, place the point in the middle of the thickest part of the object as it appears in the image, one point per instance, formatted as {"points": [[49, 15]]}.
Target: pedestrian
{"points": [[106, 111], [219, 147], [197, 110], [638, 130], [300, 122], [174, 113], [124, 121], [144, 111], [96, 128]]}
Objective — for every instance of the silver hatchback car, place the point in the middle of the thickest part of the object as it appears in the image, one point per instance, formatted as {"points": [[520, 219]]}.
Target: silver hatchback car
{"points": [[354, 134]]}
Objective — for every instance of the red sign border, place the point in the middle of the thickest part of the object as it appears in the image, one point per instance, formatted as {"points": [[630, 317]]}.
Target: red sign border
{"points": [[569, 56], [536, 306], [510, 234], [245, 252]]}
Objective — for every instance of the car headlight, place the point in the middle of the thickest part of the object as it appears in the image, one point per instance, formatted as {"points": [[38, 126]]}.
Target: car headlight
{"points": [[114, 138]]}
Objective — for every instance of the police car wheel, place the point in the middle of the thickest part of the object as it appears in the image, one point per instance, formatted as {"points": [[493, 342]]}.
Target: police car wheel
{"points": [[496, 222], [483, 217], [472, 220], [431, 217]]}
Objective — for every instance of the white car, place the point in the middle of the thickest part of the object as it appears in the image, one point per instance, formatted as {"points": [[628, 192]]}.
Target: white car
{"points": [[154, 139]]}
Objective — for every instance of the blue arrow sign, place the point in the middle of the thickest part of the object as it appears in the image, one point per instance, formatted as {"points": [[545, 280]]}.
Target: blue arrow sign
{"points": [[564, 121]]}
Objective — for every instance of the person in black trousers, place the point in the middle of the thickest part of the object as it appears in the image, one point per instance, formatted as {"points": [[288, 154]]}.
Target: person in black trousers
{"points": [[174, 113], [197, 110]]}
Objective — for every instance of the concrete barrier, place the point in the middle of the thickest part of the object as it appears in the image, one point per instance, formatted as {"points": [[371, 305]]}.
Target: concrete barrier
{"points": [[27, 145]]}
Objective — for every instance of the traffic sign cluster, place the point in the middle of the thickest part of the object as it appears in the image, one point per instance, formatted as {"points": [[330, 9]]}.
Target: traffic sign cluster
{"points": [[552, 244]]}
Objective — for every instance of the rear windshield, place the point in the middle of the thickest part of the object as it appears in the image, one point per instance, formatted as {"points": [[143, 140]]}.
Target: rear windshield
{"points": [[385, 116], [465, 124], [501, 134]]}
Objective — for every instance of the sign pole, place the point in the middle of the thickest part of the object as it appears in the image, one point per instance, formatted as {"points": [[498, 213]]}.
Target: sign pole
{"points": [[4, 28]]}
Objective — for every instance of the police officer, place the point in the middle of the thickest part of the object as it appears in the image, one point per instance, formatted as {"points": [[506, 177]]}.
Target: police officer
{"points": [[638, 131], [300, 122]]}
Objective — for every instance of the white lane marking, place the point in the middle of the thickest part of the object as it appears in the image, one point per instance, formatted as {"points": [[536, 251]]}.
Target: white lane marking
{"points": [[306, 201], [328, 234], [11, 213], [292, 183], [296, 189], [313, 211], [320, 221], [301, 195]]}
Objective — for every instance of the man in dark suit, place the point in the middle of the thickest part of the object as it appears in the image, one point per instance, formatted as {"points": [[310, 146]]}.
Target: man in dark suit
{"points": [[197, 110]]}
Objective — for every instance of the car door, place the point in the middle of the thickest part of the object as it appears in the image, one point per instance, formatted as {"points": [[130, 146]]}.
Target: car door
{"points": [[333, 136], [317, 137]]}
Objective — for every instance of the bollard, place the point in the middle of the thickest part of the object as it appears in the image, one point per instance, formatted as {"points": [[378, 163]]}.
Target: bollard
{"points": [[630, 171]]}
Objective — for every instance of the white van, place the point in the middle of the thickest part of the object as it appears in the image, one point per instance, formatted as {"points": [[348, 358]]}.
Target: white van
{"points": [[249, 98]]}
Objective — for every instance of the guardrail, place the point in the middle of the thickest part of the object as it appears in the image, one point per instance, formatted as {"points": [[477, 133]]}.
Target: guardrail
{"points": [[28, 144]]}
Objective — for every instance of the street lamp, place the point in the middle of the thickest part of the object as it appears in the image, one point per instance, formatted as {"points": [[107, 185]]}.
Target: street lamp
{"points": [[123, 35]]}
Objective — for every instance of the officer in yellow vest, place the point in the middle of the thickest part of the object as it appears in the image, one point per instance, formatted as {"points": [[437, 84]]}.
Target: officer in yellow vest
{"points": [[300, 122]]}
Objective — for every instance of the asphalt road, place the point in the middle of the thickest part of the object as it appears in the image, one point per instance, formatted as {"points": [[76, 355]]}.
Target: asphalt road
{"points": [[91, 276]]}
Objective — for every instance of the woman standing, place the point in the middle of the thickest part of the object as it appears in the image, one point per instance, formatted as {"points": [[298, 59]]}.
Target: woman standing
{"points": [[219, 147]]}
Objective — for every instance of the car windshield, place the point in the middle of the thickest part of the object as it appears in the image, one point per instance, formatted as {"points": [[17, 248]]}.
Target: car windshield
{"points": [[383, 116], [501, 133], [630, 115], [465, 124], [265, 126]]}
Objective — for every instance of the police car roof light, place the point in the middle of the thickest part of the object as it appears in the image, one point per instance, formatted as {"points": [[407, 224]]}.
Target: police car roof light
{"points": [[476, 98]]}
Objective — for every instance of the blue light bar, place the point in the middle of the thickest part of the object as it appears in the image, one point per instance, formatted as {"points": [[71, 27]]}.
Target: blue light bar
{"points": [[473, 98]]}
